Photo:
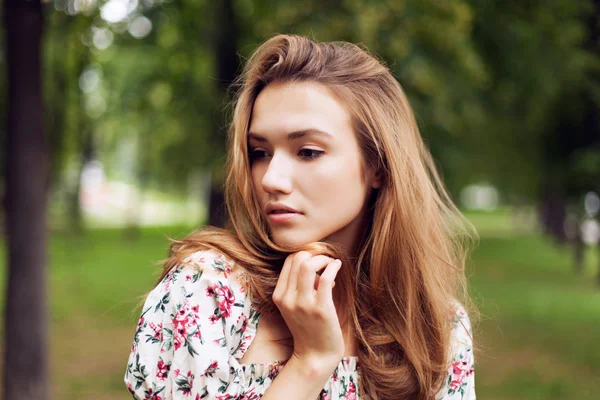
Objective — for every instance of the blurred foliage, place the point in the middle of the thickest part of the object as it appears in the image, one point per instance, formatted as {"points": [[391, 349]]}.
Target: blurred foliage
{"points": [[505, 92]]}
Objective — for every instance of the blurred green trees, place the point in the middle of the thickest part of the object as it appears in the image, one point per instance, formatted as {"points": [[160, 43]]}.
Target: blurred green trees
{"points": [[496, 86]]}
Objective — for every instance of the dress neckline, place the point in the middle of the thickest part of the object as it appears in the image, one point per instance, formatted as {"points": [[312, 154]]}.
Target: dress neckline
{"points": [[251, 330], [346, 359]]}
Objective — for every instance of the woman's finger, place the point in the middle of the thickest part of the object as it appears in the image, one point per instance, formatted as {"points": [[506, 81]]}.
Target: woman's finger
{"points": [[316, 286], [326, 280], [307, 273], [298, 259], [283, 279]]}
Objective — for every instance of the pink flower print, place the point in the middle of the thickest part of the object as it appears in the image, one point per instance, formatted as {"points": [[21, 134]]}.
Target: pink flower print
{"points": [[180, 338], [157, 330], [455, 384], [187, 390], [150, 395], [251, 395], [185, 384], [178, 341], [245, 342], [274, 370], [210, 371], [244, 322], [162, 370], [351, 393], [195, 258], [213, 318], [140, 324], [225, 298], [456, 368], [192, 319], [181, 319], [168, 279], [460, 370], [221, 264], [185, 324]]}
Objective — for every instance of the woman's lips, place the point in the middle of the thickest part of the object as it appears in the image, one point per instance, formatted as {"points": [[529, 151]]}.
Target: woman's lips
{"points": [[283, 217]]}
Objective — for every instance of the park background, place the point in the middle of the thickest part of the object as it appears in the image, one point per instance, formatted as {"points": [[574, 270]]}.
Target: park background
{"points": [[130, 153]]}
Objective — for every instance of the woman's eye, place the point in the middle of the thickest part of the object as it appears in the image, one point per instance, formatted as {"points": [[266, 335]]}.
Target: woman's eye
{"points": [[310, 154], [257, 154], [305, 154]]}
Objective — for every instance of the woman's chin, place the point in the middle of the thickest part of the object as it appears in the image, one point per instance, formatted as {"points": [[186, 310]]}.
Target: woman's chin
{"points": [[291, 241]]}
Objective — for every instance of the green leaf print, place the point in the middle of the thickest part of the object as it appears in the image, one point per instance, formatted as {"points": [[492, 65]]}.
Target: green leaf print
{"points": [[161, 304]]}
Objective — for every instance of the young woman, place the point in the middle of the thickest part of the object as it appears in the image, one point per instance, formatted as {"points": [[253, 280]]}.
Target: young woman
{"points": [[341, 275]]}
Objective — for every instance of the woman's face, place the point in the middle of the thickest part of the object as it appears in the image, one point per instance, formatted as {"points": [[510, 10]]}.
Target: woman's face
{"points": [[307, 168]]}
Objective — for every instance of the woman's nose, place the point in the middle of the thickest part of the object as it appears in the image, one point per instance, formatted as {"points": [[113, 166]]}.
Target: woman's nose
{"points": [[277, 176]]}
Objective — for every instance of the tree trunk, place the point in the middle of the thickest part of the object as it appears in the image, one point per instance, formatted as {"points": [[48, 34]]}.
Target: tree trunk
{"points": [[27, 178], [217, 212], [227, 64]]}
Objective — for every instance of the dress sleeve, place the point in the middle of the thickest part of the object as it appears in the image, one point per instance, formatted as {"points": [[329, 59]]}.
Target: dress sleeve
{"points": [[460, 381], [192, 325]]}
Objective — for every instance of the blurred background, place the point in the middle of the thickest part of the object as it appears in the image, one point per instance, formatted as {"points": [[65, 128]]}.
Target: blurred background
{"points": [[135, 102]]}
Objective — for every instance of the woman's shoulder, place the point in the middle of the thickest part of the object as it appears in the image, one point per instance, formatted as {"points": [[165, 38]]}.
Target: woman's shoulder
{"points": [[192, 323], [204, 287], [206, 273], [459, 383], [208, 264], [461, 339], [461, 323]]}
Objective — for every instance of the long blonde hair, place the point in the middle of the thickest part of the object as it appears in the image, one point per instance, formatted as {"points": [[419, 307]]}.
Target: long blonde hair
{"points": [[402, 288]]}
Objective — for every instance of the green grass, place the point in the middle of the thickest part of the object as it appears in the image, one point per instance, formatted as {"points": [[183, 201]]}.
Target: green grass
{"points": [[537, 338], [540, 323], [96, 283]]}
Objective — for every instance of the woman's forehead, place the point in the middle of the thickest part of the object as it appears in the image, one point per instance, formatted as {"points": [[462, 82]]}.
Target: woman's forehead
{"points": [[288, 109]]}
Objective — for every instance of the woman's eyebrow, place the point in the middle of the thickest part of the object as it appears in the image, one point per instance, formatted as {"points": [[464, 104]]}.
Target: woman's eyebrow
{"points": [[293, 135]]}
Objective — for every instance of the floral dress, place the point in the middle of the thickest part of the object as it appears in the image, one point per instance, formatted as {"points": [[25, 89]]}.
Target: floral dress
{"points": [[198, 322]]}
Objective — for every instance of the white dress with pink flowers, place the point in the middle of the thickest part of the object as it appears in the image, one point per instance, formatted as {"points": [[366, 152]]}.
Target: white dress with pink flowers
{"points": [[197, 324]]}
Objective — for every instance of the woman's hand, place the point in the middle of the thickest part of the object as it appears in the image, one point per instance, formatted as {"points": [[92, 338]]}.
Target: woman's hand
{"points": [[305, 301]]}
